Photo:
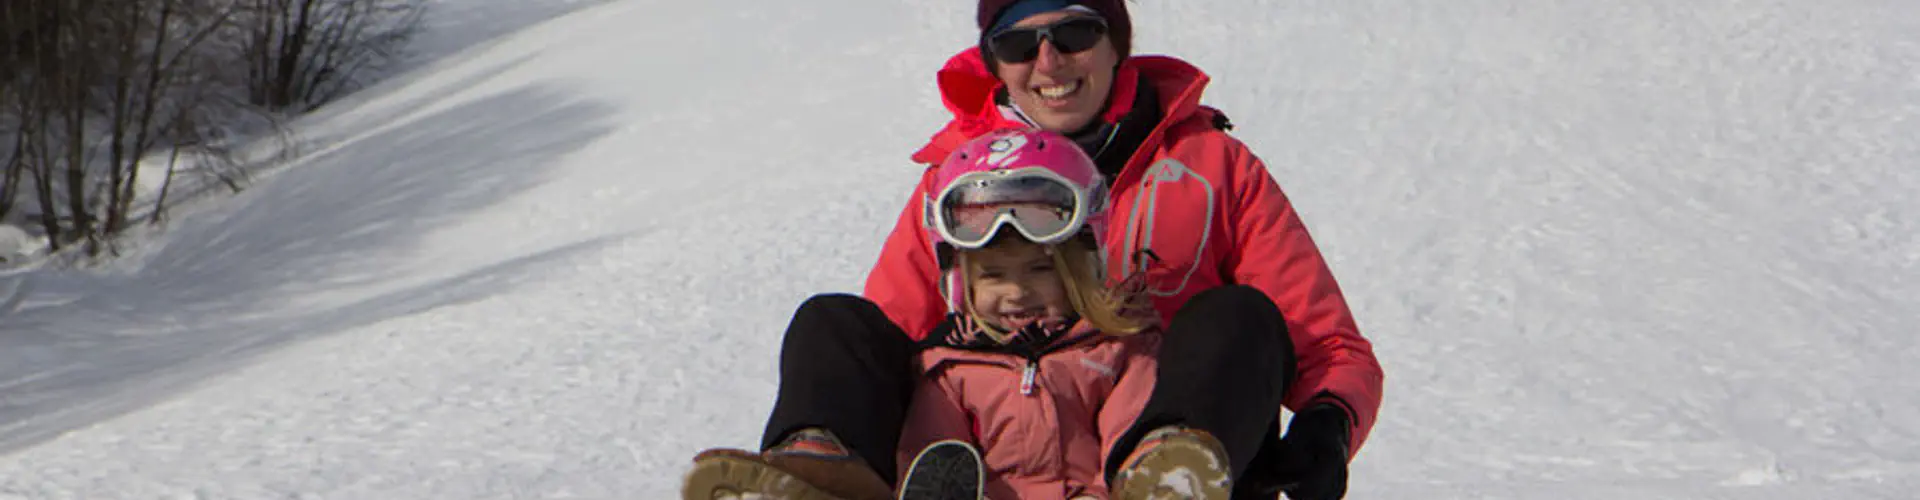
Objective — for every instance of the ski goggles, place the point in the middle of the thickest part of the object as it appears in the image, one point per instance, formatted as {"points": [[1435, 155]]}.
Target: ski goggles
{"points": [[1070, 35], [1043, 206]]}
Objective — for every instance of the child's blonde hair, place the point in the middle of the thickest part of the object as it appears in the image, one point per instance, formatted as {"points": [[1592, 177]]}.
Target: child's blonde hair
{"points": [[1084, 275]]}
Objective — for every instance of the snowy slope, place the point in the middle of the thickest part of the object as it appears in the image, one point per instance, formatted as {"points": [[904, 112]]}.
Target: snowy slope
{"points": [[1632, 249]]}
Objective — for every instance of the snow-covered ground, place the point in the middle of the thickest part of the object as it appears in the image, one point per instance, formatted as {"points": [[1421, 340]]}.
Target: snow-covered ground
{"points": [[1630, 249]]}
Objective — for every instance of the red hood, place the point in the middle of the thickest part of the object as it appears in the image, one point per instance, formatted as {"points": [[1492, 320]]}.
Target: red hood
{"points": [[967, 89]]}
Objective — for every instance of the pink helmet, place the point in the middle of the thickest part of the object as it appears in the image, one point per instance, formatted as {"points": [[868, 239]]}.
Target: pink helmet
{"points": [[1037, 183]]}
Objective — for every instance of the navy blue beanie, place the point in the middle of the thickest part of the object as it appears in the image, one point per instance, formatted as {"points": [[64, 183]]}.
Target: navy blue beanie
{"points": [[995, 15], [1023, 9]]}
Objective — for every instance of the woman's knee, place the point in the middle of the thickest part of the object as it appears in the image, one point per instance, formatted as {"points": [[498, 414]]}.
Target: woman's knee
{"points": [[842, 316], [834, 303], [1233, 298], [1236, 304], [1237, 315]]}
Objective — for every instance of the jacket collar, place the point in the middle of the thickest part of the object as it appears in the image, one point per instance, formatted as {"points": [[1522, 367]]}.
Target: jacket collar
{"points": [[968, 90]]}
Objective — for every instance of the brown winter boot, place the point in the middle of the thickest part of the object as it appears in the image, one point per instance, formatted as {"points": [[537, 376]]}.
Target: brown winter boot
{"points": [[809, 465], [1175, 463]]}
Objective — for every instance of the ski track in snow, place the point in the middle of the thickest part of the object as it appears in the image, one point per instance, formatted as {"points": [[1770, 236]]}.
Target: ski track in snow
{"points": [[1621, 249]]}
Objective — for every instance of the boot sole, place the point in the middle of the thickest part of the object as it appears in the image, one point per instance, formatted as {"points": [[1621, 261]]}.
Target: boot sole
{"points": [[947, 470], [736, 477], [1177, 469]]}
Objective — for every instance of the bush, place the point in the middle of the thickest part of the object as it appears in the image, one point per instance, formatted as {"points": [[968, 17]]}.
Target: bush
{"points": [[100, 97]]}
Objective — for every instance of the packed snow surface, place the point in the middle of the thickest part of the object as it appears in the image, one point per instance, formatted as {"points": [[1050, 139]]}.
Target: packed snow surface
{"points": [[1621, 249]]}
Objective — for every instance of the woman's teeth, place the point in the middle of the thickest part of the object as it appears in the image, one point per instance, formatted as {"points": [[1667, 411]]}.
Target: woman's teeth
{"points": [[1057, 91]]}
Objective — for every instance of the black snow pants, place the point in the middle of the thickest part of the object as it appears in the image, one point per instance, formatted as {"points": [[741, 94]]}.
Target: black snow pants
{"points": [[847, 368], [1224, 367], [1225, 364]]}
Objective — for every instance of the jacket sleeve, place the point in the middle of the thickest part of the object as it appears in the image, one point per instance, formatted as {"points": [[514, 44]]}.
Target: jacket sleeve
{"points": [[1130, 394], [1273, 253], [934, 415], [904, 281]]}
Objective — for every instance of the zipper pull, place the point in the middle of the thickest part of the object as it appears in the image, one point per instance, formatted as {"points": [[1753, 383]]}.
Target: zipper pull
{"points": [[1026, 378]]}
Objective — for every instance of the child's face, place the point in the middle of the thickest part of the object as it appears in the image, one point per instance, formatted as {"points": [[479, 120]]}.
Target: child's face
{"points": [[1016, 285]]}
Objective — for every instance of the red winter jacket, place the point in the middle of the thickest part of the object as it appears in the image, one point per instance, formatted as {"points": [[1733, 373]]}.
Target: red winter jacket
{"points": [[1195, 196]]}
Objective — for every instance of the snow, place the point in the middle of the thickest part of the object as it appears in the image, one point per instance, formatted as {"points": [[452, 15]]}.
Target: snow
{"points": [[1605, 249]]}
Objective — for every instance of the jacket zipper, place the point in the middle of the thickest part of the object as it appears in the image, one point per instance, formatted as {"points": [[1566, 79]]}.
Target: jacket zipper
{"points": [[1029, 372], [1030, 369], [1027, 376]]}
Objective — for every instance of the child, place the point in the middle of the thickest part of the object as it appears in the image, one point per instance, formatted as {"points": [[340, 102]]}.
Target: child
{"points": [[1039, 363]]}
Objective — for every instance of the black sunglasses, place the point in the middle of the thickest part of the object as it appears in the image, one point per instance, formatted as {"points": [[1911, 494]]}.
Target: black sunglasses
{"points": [[1070, 35]]}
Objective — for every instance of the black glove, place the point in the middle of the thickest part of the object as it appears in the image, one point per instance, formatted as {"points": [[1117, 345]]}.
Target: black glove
{"points": [[1313, 459]]}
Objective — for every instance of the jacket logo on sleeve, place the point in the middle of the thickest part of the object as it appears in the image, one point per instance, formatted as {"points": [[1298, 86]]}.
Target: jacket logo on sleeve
{"points": [[1169, 241]]}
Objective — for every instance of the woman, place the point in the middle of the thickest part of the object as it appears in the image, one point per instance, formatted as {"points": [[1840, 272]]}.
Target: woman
{"points": [[1231, 269]]}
